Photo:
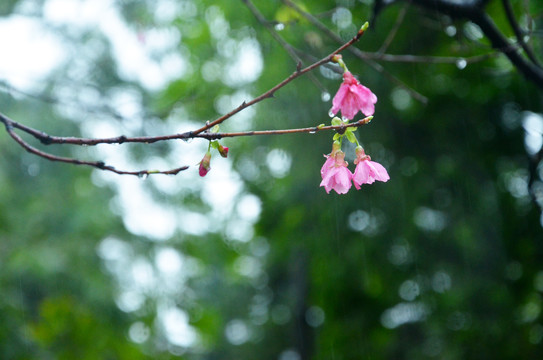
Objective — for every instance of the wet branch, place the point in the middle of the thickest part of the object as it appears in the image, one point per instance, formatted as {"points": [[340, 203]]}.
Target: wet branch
{"points": [[474, 11], [203, 132], [270, 93], [518, 32], [357, 52], [47, 139]]}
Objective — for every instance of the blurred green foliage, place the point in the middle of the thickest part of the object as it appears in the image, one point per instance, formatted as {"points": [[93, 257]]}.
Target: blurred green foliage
{"points": [[443, 261]]}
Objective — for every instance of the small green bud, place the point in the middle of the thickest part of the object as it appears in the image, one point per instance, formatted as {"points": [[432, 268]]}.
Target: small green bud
{"points": [[337, 121]]}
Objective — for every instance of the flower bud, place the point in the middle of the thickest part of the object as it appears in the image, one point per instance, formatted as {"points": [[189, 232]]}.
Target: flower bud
{"points": [[336, 58], [223, 150], [205, 164], [360, 155]]}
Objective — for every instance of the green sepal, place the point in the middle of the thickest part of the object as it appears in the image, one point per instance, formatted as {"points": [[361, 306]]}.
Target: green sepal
{"points": [[350, 135], [320, 126], [215, 129], [336, 136]]}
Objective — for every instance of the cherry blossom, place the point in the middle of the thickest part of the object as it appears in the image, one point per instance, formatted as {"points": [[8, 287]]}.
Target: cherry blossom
{"points": [[367, 171], [352, 97], [335, 174]]}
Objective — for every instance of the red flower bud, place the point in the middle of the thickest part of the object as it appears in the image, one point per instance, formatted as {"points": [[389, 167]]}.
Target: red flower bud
{"points": [[223, 150], [205, 164]]}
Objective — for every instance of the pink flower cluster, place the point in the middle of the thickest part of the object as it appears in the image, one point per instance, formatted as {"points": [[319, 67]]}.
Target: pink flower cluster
{"points": [[336, 176], [352, 97]]}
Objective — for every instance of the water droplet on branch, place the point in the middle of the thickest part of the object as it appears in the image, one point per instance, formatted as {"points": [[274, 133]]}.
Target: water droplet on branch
{"points": [[461, 63]]}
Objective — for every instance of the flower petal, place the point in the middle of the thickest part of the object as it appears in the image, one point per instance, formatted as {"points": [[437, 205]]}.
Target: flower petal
{"points": [[362, 174], [378, 171], [338, 99], [327, 164]]}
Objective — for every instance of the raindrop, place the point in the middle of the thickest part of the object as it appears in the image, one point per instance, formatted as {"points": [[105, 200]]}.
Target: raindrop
{"points": [[461, 63], [312, 131], [331, 114], [279, 26], [325, 96], [143, 176]]}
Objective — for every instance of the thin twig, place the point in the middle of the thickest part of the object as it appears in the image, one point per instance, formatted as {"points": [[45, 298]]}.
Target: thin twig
{"points": [[530, 70], [47, 139], [96, 164], [313, 129], [270, 93], [518, 32], [285, 45], [474, 11], [357, 52], [392, 34]]}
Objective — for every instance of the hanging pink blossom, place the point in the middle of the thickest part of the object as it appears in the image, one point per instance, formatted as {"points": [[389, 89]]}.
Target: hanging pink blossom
{"points": [[335, 174], [352, 97], [367, 171]]}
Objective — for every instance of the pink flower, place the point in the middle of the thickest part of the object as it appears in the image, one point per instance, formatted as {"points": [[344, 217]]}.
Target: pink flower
{"points": [[352, 97], [335, 174], [205, 164], [367, 171]]}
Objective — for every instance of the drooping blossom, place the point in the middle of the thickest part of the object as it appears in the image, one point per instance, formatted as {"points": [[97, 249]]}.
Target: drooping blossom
{"points": [[334, 172], [352, 97], [205, 164], [367, 171]]}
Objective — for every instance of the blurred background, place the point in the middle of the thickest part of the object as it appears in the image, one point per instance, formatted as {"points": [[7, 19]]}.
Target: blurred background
{"points": [[256, 261]]}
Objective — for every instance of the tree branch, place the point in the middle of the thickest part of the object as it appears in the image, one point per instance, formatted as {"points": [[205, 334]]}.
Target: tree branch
{"points": [[357, 52], [47, 139], [202, 132], [288, 48], [271, 92], [518, 33], [473, 10], [10, 125], [530, 71]]}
